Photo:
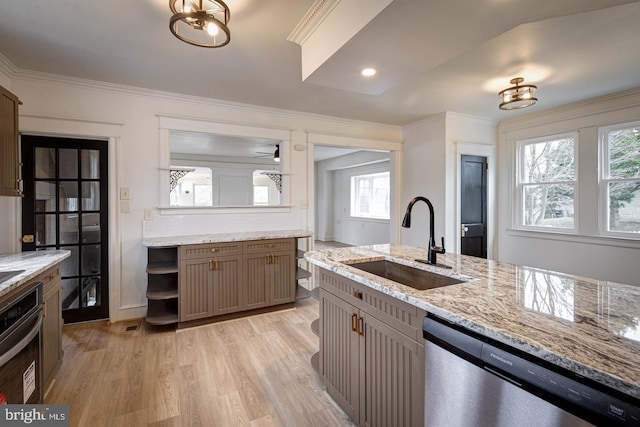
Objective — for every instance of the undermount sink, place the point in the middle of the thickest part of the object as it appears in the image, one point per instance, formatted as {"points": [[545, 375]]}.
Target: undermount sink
{"points": [[6, 275], [409, 276]]}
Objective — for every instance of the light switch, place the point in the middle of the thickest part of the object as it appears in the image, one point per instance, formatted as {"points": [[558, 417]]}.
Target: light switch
{"points": [[125, 194]]}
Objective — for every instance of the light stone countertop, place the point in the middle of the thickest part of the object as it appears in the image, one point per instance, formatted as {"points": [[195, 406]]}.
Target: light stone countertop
{"points": [[587, 326], [223, 237], [33, 263]]}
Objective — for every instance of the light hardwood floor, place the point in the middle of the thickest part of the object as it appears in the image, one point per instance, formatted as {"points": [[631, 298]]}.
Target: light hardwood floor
{"points": [[253, 371]]}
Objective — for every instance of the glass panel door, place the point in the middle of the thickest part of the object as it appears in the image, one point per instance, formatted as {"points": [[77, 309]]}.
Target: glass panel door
{"points": [[65, 207]]}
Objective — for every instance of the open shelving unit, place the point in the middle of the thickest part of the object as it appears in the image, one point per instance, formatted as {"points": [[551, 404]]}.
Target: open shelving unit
{"points": [[162, 285], [301, 270]]}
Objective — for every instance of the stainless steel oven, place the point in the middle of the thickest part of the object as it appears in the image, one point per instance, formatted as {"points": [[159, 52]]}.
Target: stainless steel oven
{"points": [[20, 348]]}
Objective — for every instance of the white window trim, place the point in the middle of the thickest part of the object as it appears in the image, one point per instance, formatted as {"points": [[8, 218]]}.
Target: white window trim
{"points": [[364, 217], [603, 181], [518, 206]]}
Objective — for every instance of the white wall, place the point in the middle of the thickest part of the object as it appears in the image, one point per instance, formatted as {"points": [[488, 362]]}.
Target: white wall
{"points": [[135, 159], [586, 253], [353, 230]]}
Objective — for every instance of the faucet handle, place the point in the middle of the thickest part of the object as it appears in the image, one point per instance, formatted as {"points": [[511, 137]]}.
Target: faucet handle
{"points": [[439, 249]]}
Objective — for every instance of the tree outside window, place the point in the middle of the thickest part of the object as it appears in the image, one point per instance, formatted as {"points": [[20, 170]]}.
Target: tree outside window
{"points": [[621, 178], [548, 182]]}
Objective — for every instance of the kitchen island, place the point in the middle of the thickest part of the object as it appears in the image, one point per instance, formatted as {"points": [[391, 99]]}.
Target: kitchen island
{"points": [[589, 327]]}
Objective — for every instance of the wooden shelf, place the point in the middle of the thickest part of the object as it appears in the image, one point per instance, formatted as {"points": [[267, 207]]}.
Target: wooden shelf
{"points": [[300, 254], [302, 293], [166, 319], [315, 327], [301, 273], [162, 294], [162, 312], [165, 267]]}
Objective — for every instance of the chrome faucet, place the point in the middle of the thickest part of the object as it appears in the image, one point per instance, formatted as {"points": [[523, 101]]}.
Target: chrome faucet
{"points": [[432, 248]]}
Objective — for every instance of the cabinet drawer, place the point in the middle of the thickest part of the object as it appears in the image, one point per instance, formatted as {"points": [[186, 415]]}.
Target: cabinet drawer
{"points": [[210, 249], [403, 317], [270, 245], [50, 279]]}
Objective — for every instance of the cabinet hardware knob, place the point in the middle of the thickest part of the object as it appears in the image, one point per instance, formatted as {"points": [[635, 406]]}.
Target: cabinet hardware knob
{"points": [[271, 245], [357, 294], [354, 320], [361, 325], [214, 250]]}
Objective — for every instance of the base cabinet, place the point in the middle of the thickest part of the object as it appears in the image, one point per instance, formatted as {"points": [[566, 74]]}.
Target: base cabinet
{"points": [[225, 278], [372, 370], [51, 324]]}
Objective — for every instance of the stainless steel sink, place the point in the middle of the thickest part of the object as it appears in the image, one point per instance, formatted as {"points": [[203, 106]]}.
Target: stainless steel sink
{"points": [[409, 276], [6, 275]]}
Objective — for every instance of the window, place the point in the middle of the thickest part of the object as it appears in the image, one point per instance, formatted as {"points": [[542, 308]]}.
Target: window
{"points": [[547, 182], [370, 195], [193, 189], [261, 195], [620, 180]]}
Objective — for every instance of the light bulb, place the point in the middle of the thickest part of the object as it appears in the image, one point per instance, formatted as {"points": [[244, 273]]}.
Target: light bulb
{"points": [[212, 29]]}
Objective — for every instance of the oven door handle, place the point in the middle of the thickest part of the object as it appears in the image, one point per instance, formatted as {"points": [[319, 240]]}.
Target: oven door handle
{"points": [[23, 342]]}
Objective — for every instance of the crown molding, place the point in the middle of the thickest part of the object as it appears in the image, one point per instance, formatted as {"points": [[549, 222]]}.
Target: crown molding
{"points": [[41, 77], [7, 67], [311, 20], [587, 107]]}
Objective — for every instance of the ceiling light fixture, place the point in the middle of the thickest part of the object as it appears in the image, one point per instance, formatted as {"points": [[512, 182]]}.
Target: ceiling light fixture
{"points": [[518, 96], [276, 154], [368, 72], [200, 22]]}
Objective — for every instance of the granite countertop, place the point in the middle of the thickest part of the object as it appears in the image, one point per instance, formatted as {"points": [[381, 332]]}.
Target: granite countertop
{"points": [[32, 264], [223, 237], [587, 326]]}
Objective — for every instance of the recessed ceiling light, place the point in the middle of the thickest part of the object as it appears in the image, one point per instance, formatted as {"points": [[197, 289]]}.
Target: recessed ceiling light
{"points": [[368, 72]]}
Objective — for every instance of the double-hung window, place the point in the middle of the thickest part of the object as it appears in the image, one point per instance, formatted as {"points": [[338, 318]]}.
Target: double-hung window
{"points": [[620, 179], [547, 177], [370, 195]]}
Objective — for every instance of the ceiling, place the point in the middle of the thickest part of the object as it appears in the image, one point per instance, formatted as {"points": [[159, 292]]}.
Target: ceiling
{"points": [[432, 56]]}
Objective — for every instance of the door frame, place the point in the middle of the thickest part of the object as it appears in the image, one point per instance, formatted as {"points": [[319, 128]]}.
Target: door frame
{"points": [[71, 128], [483, 150]]}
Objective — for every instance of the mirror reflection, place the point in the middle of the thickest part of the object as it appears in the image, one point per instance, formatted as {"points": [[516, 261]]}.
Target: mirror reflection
{"points": [[222, 170]]}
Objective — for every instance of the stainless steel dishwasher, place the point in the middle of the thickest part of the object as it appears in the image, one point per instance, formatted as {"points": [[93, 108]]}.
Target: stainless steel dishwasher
{"points": [[473, 381]]}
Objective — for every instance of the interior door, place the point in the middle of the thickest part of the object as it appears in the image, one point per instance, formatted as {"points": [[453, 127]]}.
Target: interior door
{"points": [[473, 209], [65, 206]]}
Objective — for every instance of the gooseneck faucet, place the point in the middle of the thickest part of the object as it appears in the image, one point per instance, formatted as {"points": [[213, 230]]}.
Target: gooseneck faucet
{"points": [[432, 248]]}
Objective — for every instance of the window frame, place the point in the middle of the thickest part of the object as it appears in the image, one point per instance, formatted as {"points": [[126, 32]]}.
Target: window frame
{"points": [[520, 184], [604, 180], [353, 197]]}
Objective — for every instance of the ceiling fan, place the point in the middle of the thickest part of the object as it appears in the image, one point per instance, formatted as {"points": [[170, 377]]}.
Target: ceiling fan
{"points": [[275, 154]]}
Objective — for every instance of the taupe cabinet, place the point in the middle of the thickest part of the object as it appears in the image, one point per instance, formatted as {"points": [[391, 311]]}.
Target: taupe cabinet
{"points": [[224, 278], [51, 324], [371, 353], [10, 182]]}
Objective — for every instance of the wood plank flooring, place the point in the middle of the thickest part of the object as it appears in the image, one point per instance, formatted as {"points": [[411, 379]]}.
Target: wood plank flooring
{"points": [[253, 371]]}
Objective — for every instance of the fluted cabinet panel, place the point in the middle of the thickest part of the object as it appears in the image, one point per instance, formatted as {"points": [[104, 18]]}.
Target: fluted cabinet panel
{"points": [[256, 281], [227, 295], [10, 184], [195, 290], [339, 353], [281, 272]]}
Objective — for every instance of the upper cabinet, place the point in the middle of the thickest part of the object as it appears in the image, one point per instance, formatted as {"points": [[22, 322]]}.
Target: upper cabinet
{"points": [[10, 182]]}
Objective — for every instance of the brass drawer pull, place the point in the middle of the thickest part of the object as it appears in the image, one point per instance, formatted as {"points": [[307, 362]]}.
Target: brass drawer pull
{"points": [[357, 294], [361, 325], [354, 320], [214, 250]]}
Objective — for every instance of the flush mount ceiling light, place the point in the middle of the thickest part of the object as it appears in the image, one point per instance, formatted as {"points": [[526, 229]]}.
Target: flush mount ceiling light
{"points": [[518, 96], [368, 72], [200, 22]]}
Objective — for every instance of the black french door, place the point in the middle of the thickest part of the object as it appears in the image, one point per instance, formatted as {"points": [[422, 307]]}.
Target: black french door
{"points": [[473, 209], [65, 206]]}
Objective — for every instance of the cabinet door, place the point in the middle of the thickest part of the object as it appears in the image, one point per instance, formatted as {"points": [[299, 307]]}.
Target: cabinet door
{"points": [[10, 183], [393, 378], [52, 333], [255, 280], [340, 350], [281, 273], [227, 293], [196, 292]]}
